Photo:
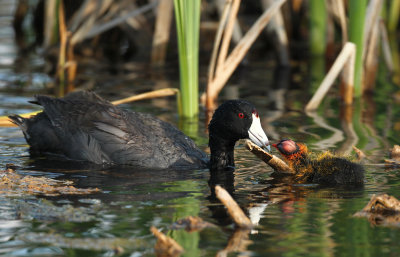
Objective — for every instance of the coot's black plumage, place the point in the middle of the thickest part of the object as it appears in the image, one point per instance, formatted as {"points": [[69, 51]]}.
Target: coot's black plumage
{"points": [[84, 126]]}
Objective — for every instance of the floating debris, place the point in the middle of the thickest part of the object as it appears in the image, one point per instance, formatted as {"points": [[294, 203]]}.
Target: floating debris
{"points": [[382, 209], [395, 152], [394, 156], [360, 154], [192, 224], [14, 184], [166, 246]]}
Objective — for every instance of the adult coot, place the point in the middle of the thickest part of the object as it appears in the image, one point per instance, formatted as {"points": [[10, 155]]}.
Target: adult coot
{"points": [[322, 169], [84, 126]]}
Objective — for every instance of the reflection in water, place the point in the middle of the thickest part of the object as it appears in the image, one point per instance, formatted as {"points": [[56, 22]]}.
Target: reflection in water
{"points": [[296, 220]]}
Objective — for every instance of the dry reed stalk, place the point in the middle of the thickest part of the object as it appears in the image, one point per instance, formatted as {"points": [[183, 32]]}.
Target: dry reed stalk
{"points": [[162, 32], [340, 13], [153, 94], [275, 162], [211, 68], [72, 66], [223, 52], [296, 5], [386, 46], [371, 58], [226, 66], [371, 18], [91, 26], [50, 22], [277, 30], [233, 208], [345, 61], [237, 33], [62, 52]]}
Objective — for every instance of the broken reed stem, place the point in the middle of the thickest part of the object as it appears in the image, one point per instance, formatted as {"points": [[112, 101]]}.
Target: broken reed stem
{"points": [[227, 35], [217, 41], [386, 46], [275, 162], [233, 208], [72, 66], [153, 94], [62, 51], [165, 12], [226, 66], [346, 56]]}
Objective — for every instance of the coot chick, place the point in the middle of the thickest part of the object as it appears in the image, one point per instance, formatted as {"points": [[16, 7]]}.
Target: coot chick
{"points": [[83, 126], [324, 169]]}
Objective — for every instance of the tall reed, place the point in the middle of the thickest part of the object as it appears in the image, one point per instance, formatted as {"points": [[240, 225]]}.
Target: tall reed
{"points": [[187, 15], [357, 10], [317, 27]]}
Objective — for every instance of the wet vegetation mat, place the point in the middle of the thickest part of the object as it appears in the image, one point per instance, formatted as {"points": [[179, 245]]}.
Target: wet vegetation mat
{"points": [[14, 184], [383, 210]]}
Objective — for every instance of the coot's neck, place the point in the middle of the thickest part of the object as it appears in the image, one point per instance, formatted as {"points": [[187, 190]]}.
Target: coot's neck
{"points": [[221, 152]]}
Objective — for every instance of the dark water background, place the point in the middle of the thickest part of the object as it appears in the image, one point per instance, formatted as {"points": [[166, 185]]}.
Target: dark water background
{"points": [[297, 220]]}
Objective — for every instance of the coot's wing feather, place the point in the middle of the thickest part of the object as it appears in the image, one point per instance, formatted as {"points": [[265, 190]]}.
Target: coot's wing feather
{"points": [[90, 128], [95, 130]]}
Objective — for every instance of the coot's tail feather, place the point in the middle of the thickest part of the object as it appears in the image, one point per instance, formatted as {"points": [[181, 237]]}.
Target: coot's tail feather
{"points": [[19, 121], [16, 119]]}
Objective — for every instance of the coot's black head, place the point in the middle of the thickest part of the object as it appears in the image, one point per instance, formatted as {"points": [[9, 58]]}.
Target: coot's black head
{"points": [[233, 120], [238, 119]]}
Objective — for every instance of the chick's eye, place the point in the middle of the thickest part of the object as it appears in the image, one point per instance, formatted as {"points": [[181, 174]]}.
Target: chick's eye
{"points": [[241, 115]]}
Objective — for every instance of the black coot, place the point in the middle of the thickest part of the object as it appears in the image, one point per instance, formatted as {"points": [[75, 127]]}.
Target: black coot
{"points": [[83, 126]]}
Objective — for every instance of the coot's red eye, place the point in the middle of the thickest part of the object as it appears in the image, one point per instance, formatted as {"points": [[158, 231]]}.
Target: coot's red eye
{"points": [[241, 115]]}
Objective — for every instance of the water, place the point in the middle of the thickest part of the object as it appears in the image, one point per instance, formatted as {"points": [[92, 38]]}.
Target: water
{"points": [[293, 220]]}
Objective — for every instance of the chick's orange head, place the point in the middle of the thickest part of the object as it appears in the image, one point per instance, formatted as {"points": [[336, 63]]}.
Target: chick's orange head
{"points": [[290, 149]]}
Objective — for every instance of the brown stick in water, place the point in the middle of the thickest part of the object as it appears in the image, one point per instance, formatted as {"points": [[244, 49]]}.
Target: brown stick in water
{"points": [[275, 162], [233, 208]]}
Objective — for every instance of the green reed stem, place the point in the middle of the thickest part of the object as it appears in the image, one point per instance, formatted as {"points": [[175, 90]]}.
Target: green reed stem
{"points": [[317, 27], [357, 10], [187, 15], [394, 13]]}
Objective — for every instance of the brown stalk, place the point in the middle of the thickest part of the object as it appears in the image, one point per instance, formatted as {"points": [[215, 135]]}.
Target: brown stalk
{"points": [[236, 56], [275, 162], [162, 31], [50, 8], [62, 53], [227, 35], [345, 61], [386, 46], [153, 94], [233, 208]]}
